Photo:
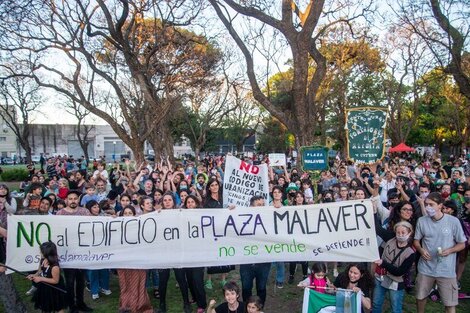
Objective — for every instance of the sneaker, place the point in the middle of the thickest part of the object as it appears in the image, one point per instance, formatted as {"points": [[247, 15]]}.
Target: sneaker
{"points": [[335, 272], [87, 286], [291, 279], [279, 285], [200, 310], [187, 308], [106, 292], [458, 285], [31, 291], [208, 284], [223, 282], [95, 296]]}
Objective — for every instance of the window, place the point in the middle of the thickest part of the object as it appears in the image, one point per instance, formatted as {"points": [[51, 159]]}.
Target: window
{"points": [[3, 139]]}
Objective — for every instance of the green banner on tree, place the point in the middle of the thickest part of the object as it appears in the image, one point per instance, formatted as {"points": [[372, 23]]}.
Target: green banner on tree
{"points": [[314, 158], [365, 133]]}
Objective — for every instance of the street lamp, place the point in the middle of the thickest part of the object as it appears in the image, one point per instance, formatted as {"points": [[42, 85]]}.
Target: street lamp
{"points": [[114, 151]]}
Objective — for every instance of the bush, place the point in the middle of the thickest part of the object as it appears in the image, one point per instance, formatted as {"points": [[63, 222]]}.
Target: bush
{"points": [[15, 174]]}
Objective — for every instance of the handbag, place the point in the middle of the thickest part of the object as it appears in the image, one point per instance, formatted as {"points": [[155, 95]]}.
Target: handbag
{"points": [[379, 270]]}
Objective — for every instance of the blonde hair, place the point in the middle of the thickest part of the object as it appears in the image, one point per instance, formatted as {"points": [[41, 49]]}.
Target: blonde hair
{"points": [[64, 181]]}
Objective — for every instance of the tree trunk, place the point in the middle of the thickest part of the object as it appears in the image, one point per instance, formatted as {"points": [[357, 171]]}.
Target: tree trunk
{"points": [[162, 141]]}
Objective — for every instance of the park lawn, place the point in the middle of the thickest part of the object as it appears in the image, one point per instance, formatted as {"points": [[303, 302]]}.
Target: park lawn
{"points": [[288, 299]]}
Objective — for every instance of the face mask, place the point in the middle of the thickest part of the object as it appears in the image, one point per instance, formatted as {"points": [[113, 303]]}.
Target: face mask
{"points": [[190, 169], [433, 175], [445, 194], [327, 200], [134, 202], [461, 191], [403, 238], [431, 211], [292, 194], [364, 175], [183, 187], [424, 195], [467, 199], [457, 181]]}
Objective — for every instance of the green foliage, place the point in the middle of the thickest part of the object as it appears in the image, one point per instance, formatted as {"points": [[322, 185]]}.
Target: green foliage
{"points": [[273, 138], [14, 174]]}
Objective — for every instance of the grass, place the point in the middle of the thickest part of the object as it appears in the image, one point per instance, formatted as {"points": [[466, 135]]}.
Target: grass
{"points": [[288, 299]]}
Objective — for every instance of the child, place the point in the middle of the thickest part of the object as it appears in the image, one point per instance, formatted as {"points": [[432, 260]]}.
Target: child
{"points": [[33, 199], [47, 298], [63, 188], [317, 279], [90, 194], [254, 305], [231, 294]]}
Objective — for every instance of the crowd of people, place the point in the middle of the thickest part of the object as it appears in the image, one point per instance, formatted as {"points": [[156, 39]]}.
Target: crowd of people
{"points": [[421, 210]]}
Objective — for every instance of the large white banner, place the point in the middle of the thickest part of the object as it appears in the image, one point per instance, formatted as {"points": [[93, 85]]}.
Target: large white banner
{"points": [[342, 231], [243, 181]]}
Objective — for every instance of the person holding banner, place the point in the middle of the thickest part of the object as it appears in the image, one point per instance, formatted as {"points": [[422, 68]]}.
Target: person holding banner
{"points": [[214, 201], [255, 271], [280, 269], [195, 275], [75, 278], [133, 296], [357, 278], [169, 203]]}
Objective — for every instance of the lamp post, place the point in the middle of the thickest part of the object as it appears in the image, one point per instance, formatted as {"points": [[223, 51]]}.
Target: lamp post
{"points": [[114, 151]]}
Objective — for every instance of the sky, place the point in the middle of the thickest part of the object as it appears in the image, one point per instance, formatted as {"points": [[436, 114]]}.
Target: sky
{"points": [[52, 113]]}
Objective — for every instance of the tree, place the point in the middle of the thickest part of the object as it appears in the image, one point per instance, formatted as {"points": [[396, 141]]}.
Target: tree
{"points": [[82, 130], [21, 97], [204, 112], [443, 25], [273, 138], [144, 62], [302, 36]]}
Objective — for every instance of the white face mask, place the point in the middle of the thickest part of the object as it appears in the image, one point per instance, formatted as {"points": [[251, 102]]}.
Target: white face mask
{"points": [[403, 238], [431, 211], [424, 195]]}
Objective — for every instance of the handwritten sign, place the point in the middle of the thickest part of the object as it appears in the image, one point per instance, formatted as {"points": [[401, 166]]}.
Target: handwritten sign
{"points": [[314, 158], [277, 159], [243, 181], [365, 129], [341, 231]]}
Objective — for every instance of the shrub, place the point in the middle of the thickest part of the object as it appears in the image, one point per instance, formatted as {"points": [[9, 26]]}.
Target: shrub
{"points": [[15, 174]]}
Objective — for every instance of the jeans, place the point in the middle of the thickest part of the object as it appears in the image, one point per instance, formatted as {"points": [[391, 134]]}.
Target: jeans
{"points": [[260, 272], [152, 275], [396, 298], [98, 279], [280, 272]]}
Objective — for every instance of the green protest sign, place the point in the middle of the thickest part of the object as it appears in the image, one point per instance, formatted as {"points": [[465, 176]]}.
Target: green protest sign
{"points": [[314, 158], [365, 128]]}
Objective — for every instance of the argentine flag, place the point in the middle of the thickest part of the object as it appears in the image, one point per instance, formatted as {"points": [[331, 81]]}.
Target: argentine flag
{"points": [[343, 302]]}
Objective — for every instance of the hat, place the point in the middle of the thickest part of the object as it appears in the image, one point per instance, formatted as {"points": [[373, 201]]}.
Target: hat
{"points": [[292, 186]]}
